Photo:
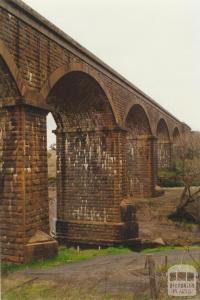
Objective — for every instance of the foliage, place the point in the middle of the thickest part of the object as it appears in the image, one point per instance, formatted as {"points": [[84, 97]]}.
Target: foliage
{"points": [[169, 178], [167, 248], [185, 170], [187, 159], [65, 255], [46, 290], [187, 166]]}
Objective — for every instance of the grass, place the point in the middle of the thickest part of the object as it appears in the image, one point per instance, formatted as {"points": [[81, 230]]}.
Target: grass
{"points": [[70, 255], [167, 248], [45, 290], [20, 288], [40, 290], [65, 255]]}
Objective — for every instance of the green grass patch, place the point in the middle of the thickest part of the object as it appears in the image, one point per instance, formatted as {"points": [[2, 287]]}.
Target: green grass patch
{"points": [[46, 290], [167, 248], [65, 255]]}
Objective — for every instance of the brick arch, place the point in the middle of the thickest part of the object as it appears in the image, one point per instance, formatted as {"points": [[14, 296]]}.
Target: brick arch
{"points": [[72, 67], [164, 149], [139, 147], [138, 108], [162, 130], [14, 70], [176, 134]]}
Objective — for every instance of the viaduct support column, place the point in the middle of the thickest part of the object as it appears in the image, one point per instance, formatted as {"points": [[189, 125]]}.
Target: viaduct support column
{"points": [[93, 189], [141, 162], [24, 184], [61, 172], [164, 154]]}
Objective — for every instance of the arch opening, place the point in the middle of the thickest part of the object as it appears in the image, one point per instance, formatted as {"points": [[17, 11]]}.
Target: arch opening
{"points": [[139, 154], [164, 145], [176, 147], [84, 103], [162, 131], [137, 122], [87, 154], [52, 171], [176, 136]]}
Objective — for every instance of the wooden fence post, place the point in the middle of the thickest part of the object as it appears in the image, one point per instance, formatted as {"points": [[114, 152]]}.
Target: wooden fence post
{"points": [[152, 277]]}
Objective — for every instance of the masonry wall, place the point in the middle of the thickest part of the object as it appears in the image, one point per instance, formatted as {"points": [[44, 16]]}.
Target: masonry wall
{"points": [[97, 167], [38, 56], [12, 186], [23, 176], [164, 154], [94, 173], [92, 187], [141, 167], [36, 174]]}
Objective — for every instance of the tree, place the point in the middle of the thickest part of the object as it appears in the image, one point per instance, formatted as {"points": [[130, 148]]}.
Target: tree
{"points": [[187, 166]]}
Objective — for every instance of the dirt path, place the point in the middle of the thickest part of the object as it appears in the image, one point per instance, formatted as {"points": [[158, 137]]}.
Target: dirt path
{"points": [[114, 273]]}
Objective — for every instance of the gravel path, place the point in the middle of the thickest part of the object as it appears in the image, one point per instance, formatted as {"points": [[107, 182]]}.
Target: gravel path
{"points": [[113, 273]]}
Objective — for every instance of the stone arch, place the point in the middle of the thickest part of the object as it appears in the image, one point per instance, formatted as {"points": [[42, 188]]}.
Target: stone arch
{"points": [[139, 153], [13, 69], [137, 120], [162, 130], [64, 70], [132, 106], [88, 151], [176, 144], [81, 101], [164, 150], [176, 135]]}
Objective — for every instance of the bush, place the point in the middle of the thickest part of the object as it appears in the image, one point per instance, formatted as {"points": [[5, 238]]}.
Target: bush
{"points": [[171, 178], [168, 178]]}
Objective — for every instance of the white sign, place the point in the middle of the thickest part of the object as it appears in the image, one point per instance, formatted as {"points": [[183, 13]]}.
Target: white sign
{"points": [[182, 280]]}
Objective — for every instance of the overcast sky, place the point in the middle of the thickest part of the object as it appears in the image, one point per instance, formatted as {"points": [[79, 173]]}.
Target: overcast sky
{"points": [[155, 44]]}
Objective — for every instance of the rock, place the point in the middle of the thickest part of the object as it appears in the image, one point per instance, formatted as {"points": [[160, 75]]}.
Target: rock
{"points": [[159, 191], [148, 243], [40, 237], [159, 241], [40, 246]]}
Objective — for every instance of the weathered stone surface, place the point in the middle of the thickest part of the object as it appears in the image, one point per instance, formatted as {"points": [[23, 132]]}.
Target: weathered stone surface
{"points": [[40, 237], [110, 138], [40, 250], [159, 241]]}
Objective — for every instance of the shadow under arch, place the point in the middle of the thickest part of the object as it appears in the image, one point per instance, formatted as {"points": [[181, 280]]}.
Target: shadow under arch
{"points": [[162, 130], [141, 175], [164, 149], [176, 135], [13, 69], [137, 117], [65, 70], [137, 106], [177, 144]]}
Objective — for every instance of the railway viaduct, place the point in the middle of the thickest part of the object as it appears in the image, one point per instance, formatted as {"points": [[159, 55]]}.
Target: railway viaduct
{"points": [[111, 138]]}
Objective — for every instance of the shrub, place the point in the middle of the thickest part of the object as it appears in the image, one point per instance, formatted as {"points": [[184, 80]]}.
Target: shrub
{"points": [[169, 178]]}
